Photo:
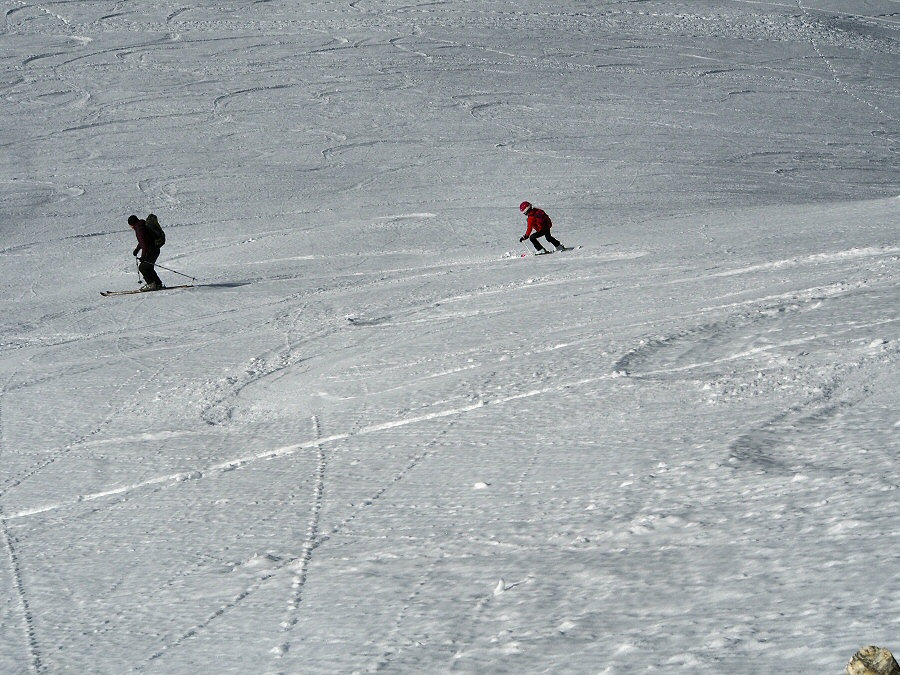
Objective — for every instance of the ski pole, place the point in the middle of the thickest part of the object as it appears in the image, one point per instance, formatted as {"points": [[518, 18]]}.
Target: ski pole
{"points": [[171, 270], [168, 269]]}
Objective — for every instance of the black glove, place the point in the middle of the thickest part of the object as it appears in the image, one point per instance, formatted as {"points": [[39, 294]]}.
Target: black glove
{"points": [[523, 238], [136, 251]]}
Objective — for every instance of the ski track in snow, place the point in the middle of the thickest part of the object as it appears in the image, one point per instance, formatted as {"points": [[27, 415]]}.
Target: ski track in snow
{"points": [[34, 655], [14, 567], [300, 568]]}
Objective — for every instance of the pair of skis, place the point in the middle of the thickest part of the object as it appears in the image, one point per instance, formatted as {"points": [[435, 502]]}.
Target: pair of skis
{"points": [[528, 254], [558, 250], [107, 294]]}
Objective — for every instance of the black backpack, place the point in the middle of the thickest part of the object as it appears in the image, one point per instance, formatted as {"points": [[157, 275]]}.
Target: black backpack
{"points": [[159, 237]]}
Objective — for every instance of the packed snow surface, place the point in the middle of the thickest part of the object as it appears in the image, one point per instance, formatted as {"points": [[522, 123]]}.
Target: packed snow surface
{"points": [[373, 436]]}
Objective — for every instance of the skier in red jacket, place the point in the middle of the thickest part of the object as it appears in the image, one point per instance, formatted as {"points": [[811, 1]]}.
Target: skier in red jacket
{"points": [[149, 254], [539, 225]]}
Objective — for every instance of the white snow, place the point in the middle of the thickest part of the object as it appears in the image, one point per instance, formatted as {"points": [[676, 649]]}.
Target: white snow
{"points": [[373, 437]]}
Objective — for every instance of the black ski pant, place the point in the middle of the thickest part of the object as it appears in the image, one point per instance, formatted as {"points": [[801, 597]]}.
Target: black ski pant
{"points": [[147, 268], [546, 234]]}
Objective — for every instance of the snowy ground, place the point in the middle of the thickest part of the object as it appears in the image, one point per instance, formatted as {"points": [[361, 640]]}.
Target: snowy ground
{"points": [[373, 437]]}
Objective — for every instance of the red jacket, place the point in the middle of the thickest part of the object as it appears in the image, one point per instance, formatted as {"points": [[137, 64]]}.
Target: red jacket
{"points": [[538, 221]]}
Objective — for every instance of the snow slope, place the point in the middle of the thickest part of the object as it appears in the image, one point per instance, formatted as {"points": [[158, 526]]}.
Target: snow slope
{"points": [[373, 437]]}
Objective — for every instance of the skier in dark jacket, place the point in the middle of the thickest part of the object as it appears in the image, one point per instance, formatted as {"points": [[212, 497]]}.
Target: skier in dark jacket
{"points": [[539, 225], [149, 253]]}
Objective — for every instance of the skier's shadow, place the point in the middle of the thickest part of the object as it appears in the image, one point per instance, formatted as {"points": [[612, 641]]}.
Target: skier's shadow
{"points": [[232, 284]]}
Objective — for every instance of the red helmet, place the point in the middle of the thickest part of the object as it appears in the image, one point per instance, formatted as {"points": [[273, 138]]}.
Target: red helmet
{"points": [[524, 206]]}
